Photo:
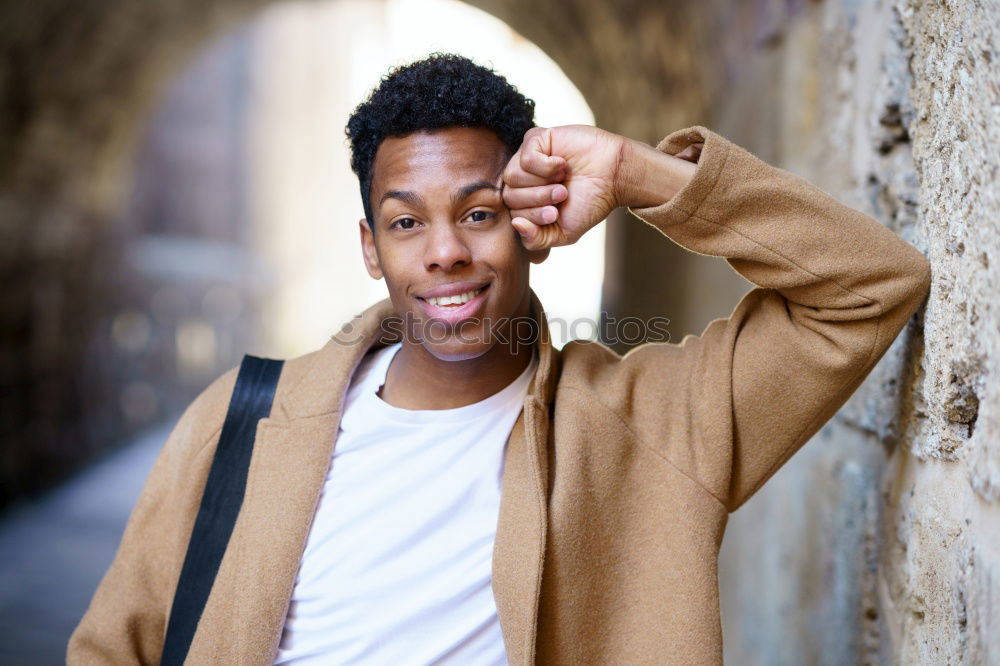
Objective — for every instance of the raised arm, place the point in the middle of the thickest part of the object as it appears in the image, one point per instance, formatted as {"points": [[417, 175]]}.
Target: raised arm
{"points": [[834, 288]]}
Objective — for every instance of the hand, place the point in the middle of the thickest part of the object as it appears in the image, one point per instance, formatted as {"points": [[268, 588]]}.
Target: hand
{"points": [[561, 182]]}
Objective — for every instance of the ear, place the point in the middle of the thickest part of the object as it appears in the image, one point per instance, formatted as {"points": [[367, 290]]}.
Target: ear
{"points": [[368, 250], [538, 256]]}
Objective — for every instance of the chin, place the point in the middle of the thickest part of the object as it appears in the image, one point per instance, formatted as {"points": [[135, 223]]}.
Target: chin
{"points": [[452, 349]]}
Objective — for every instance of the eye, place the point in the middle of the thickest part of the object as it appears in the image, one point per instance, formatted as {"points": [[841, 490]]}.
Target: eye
{"points": [[404, 223], [480, 216]]}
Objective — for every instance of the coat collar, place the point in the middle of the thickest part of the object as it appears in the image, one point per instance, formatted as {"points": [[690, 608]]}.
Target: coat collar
{"points": [[291, 456]]}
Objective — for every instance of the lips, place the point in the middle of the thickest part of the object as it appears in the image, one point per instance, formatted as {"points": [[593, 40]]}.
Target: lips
{"points": [[458, 299], [454, 302], [452, 289]]}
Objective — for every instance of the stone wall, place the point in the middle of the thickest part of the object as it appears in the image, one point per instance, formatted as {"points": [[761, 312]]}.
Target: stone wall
{"points": [[880, 541]]}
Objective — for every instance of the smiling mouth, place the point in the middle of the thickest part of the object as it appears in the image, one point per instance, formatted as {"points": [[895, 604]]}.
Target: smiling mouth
{"points": [[457, 301]]}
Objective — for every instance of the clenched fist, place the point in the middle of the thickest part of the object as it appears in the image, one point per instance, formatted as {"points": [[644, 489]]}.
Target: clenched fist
{"points": [[562, 181]]}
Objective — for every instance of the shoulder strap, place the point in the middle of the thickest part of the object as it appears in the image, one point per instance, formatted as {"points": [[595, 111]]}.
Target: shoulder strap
{"points": [[220, 503]]}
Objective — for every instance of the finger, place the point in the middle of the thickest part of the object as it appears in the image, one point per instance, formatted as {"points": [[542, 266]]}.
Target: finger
{"points": [[515, 176], [541, 215], [537, 158], [533, 236], [531, 197]]}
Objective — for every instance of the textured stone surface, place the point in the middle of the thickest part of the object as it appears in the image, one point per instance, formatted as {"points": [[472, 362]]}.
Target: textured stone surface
{"points": [[894, 107], [785, 599], [956, 129]]}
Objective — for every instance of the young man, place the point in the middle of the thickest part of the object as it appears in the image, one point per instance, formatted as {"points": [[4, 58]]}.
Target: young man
{"points": [[491, 502]]}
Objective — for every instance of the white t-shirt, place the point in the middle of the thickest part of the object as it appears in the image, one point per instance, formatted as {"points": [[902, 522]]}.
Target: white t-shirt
{"points": [[397, 566]]}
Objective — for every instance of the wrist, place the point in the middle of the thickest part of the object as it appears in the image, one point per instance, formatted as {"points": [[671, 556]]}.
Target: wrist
{"points": [[647, 177]]}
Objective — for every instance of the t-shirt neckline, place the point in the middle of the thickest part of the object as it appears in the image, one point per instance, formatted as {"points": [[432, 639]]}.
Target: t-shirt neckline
{"points": [[502, 398]]}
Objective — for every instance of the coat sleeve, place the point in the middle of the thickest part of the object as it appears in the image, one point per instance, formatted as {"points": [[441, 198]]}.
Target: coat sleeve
{"points": [[126, 620], [833, 289]]}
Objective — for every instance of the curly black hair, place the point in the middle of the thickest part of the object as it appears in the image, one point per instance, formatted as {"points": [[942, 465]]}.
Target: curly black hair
{"points": [[442, 90]]}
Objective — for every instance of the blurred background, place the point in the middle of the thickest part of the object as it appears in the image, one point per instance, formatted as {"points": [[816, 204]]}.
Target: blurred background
{"points": [[175, 192]]}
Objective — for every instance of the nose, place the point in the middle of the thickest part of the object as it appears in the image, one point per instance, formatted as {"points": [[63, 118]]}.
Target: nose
{"points": [[445, 249]]}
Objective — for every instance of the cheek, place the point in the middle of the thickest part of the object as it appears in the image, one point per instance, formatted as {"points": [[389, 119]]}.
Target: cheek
{"points": [[505, 254], [395, 262]]}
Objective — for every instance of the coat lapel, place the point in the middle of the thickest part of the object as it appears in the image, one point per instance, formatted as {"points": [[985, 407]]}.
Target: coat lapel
{"points": [[519, 547], [290, 461], [286, 475], [288, 468]]}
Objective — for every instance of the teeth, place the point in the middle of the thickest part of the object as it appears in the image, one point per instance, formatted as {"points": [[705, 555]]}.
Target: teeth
{"points": [[461, 299]]}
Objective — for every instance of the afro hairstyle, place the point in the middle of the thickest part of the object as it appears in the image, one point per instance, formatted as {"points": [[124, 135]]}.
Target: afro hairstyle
{"points": [[442, 90]]}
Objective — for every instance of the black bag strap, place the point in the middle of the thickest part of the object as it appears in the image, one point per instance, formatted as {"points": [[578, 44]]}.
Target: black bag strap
{"points": [[220, 503]]}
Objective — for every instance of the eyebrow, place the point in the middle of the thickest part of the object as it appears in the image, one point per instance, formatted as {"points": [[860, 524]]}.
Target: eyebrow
{"points": [[472, 188], [413, 199]]}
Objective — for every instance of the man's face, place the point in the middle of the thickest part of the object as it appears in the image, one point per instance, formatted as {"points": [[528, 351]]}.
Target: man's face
{"points": [[452, 262]]}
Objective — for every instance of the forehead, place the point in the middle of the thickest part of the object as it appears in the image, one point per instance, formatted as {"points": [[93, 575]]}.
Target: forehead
{"points": [[436, 158]]}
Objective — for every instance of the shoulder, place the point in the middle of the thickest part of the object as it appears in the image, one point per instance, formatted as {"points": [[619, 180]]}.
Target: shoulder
{"points": [[197, 431], [202, 420]]}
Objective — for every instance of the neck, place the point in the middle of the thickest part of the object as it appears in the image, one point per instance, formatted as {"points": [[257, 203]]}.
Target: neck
{"points": [[417, 379]]}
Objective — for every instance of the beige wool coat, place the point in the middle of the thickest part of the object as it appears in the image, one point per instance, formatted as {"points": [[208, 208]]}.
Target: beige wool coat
{"points": [[619, 474]]}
